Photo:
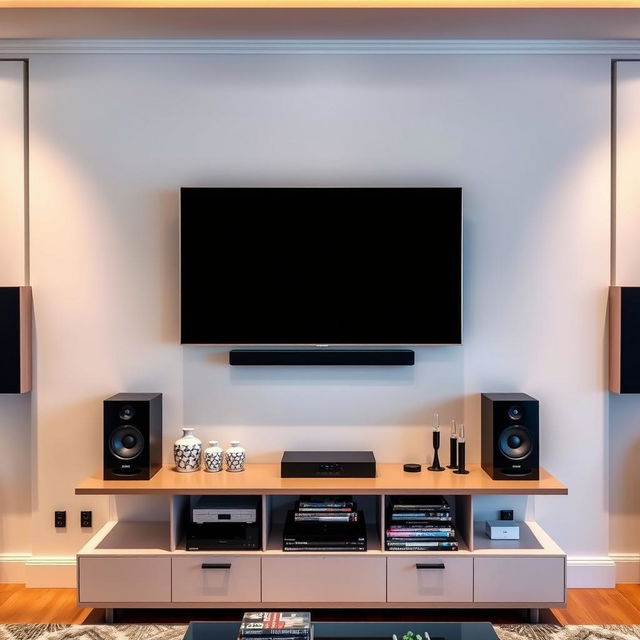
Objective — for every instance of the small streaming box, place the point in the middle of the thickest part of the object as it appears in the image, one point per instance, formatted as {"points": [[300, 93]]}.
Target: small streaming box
{"points": [[328, 464], [502, 530]]}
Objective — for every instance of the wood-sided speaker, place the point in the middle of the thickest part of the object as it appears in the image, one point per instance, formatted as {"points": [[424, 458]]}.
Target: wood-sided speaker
{"points": [[15, 339], [624, 339], [510, 436], [132, 436]]}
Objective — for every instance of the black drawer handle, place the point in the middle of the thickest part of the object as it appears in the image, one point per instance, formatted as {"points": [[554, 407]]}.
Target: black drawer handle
{"points": [[208, 565], [435, 565]]}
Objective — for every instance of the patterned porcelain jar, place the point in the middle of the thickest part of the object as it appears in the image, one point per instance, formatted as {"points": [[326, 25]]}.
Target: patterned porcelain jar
{"points": [[213, 457], [235, 457], [186, 452]]}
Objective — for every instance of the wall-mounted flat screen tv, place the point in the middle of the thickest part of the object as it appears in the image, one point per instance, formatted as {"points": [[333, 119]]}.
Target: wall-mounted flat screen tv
{"points": [[321, 266]]}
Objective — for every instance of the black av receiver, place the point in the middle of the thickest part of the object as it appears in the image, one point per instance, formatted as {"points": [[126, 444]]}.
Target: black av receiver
{"points": [[328, 464]]}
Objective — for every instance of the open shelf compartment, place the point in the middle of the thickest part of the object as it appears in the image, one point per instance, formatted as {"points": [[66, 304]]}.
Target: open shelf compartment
{"points": [[123, 537], [277, 507], [462, 518], [534, 540]]}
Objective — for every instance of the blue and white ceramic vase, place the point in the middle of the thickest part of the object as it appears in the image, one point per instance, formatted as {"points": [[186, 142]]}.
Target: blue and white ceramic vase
{"points": [[235, 457], [213, 457], [187, 452]]}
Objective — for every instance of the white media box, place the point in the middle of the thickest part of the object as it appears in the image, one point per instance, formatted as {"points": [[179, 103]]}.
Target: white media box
{"points": [[502, 530]]}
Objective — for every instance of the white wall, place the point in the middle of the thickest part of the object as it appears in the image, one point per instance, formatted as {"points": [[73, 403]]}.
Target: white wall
{"points": [[624, 414], [15, 411], [113, 137]]}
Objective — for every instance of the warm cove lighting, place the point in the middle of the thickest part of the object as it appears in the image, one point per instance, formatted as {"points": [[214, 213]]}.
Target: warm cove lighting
{"points": [[308, 4]]}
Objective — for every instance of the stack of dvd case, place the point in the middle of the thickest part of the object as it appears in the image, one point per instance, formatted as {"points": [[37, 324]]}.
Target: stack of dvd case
{"points": [[420, 523], [276, 625], [325, 523]]}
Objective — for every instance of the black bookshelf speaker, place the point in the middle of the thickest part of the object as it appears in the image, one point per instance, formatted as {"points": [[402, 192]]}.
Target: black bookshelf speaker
{"points": [[510, 436], [15, 339], [624, 339], [132, 436]]}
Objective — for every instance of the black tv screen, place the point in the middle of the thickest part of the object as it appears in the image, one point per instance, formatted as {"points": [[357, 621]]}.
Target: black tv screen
{"points": [[321, 266]]}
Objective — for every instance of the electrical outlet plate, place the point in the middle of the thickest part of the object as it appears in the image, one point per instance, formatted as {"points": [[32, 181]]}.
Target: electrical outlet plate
{"points": [[60, 519], [86, 519]]}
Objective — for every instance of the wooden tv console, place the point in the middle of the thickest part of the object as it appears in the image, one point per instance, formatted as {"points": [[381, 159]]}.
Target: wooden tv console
{"points": [[145, 564]]}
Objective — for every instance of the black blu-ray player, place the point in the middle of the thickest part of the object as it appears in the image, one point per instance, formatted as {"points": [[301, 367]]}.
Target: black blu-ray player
{"points": [[327, 464]]}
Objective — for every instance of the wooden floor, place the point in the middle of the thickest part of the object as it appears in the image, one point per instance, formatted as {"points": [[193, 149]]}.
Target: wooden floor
{"points": [[585, 606], [18, 604], [602, 606]]}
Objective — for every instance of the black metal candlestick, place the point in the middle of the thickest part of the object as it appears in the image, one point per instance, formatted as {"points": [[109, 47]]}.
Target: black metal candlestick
{"points": [[461, 452], [436, 445], [453, 447]]}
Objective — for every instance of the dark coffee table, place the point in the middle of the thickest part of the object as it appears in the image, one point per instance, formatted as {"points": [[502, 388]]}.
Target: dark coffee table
{"points": [[359, 630]]}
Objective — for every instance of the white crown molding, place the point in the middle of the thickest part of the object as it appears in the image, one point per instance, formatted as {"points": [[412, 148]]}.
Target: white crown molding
{"points": [[624, 48]]}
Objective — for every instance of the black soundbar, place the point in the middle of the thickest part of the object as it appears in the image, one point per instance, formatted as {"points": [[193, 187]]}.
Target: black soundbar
{"points": [[322, 357]]}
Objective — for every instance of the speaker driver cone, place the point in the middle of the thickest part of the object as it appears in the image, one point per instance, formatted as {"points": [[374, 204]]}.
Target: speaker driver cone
{"points": [[126, 442], [515, 442]]}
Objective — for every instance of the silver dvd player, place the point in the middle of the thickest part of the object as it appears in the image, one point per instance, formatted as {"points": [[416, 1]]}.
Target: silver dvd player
{"points": [[200, 516], [220, 509]]}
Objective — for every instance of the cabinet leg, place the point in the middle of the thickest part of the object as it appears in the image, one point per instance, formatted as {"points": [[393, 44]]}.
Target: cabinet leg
{"points": [[108, 616], [534, 616]]}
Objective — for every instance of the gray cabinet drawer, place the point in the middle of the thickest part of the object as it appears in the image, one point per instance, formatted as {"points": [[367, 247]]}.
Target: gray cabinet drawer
{"points": [[324, 579], [125, 580], [429, 579], [216, 579], [522, 580]]}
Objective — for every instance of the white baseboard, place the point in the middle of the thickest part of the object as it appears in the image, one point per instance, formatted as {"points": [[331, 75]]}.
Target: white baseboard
{"points": [[51, 571], [627, 566], [591, 572], [38, 571], [13, 567]]}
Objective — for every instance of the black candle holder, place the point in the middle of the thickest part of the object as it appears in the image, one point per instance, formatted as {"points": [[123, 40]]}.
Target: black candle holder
{"points": [[453, 447], [461, 453], [436, 445]]}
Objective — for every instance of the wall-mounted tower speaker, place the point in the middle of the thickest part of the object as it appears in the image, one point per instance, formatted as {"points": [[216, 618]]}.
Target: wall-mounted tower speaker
{"points": [[15, 339], [132, 436], [624, 339], [510, 436]]}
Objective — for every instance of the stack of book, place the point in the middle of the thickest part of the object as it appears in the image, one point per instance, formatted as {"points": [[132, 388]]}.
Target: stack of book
{"points": [[325, 523], [276, 625], [420, 523]]}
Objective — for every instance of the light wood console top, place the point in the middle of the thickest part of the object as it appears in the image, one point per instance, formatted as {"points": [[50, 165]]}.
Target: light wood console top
{"points": [[264, 479]]}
